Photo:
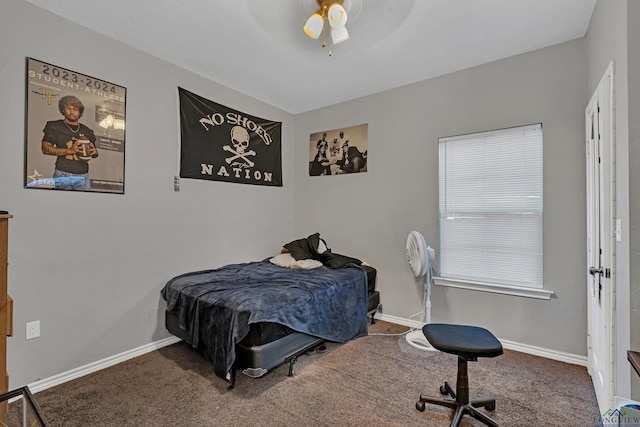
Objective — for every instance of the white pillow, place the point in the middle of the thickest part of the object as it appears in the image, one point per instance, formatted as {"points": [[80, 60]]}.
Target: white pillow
{"points": [[308, 264], [287, 261]]}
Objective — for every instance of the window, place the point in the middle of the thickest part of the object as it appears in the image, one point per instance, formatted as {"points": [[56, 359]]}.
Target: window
{"points": [[491, 211]]}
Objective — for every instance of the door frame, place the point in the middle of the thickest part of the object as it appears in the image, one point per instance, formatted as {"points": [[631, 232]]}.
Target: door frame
{"points": [[602, 100]]}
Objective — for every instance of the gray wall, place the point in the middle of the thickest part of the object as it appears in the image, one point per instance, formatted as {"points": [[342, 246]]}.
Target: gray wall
{"points": [[369, 215], [90, 266], [606, 41]]}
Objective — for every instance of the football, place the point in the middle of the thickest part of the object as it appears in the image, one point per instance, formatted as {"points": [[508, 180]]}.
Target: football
{"points": [[84, 153]]}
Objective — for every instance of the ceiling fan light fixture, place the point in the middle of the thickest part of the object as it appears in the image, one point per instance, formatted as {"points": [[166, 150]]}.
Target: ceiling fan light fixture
{"points": [[337, 16], [339, 34], [313, 27]]}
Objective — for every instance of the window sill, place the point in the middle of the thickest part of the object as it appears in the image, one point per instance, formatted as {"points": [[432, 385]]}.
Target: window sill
{"points": [[495, 288]]}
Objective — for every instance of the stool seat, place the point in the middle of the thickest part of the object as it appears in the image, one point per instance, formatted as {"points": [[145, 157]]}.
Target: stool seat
{"points": [[468, 343], [462, 340]]}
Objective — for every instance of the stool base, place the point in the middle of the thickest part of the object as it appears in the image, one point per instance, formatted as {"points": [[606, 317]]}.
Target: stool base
{"points": [[460, 402], [462, 409]]}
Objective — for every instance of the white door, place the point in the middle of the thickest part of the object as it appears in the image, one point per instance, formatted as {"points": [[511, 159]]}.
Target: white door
{"points": [[600, 240]]}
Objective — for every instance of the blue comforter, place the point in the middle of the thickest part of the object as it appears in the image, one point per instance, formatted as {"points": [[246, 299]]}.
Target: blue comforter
{"points": [[217, 306]]}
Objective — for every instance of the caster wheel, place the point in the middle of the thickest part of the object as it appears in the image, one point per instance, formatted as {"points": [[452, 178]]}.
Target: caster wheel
{"points": [[443, 390], [420, 406], [491, 407]]}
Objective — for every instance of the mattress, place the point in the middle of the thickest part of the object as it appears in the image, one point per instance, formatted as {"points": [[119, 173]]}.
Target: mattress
{"points": [[268, 345], [264, 332]]}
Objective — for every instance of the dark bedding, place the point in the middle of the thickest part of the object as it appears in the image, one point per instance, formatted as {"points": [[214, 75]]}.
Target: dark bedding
{"points": [[307, 248], [217, 306]]}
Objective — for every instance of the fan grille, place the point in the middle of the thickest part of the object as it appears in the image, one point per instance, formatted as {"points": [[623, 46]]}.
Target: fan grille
{"points": [[417, 254]]}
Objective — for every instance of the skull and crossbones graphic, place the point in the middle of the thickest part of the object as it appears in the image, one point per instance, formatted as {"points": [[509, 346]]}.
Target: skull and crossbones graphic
{"points": [[240, 141]]}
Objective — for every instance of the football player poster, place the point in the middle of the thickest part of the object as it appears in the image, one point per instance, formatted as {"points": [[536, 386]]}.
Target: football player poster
{"points": [[75, 131]]}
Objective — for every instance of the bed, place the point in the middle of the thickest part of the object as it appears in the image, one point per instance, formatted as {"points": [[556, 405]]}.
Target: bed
{"points": [[252, 317]]}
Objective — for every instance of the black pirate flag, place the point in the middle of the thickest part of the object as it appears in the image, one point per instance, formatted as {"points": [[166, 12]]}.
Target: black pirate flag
{"points": [[221, 144]]}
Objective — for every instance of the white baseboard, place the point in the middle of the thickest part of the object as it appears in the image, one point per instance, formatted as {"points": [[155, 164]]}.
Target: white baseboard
{"points": [[399, 320], [574, 359], [55, 380]]}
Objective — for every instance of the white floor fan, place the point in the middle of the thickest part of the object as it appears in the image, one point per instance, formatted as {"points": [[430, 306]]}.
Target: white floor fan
{"points": [[420, 255]]}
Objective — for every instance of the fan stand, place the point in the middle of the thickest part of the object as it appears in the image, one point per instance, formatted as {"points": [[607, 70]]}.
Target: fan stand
{"points": [[416, 338], [419, 256]]}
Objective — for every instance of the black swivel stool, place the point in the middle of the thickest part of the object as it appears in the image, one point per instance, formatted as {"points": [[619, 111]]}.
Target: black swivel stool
{"points": [[468, 343]]}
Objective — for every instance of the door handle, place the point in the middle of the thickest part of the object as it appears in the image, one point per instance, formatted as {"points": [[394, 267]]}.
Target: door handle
{"points": [[600, 271]]}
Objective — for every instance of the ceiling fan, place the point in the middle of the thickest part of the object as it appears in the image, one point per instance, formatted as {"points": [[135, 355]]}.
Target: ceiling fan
{"points": [[335, 13]]}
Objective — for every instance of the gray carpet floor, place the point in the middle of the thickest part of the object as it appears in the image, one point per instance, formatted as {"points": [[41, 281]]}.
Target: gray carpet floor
{"points": [[371, 381]]}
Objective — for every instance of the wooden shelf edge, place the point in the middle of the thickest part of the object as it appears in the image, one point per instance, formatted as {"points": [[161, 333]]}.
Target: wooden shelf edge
{"points": [[634, 358]]}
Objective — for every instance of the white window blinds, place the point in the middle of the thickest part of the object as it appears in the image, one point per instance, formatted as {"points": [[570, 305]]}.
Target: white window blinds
{"points": [[491, 207]]}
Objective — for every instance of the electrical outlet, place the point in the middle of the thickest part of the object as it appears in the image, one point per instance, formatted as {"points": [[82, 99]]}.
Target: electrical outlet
{"points": [[176, 183], [33, 330]]}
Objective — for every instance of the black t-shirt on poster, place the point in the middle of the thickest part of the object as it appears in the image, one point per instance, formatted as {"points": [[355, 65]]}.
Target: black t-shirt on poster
{"points": [[62, 136]]}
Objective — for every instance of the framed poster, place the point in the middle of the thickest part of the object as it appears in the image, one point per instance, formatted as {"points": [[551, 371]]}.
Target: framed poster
{"points": [[339, 151], [75, 131]]}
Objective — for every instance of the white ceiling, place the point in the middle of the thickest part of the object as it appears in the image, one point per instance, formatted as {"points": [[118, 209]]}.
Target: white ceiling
{"points": [[257, 47]]}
